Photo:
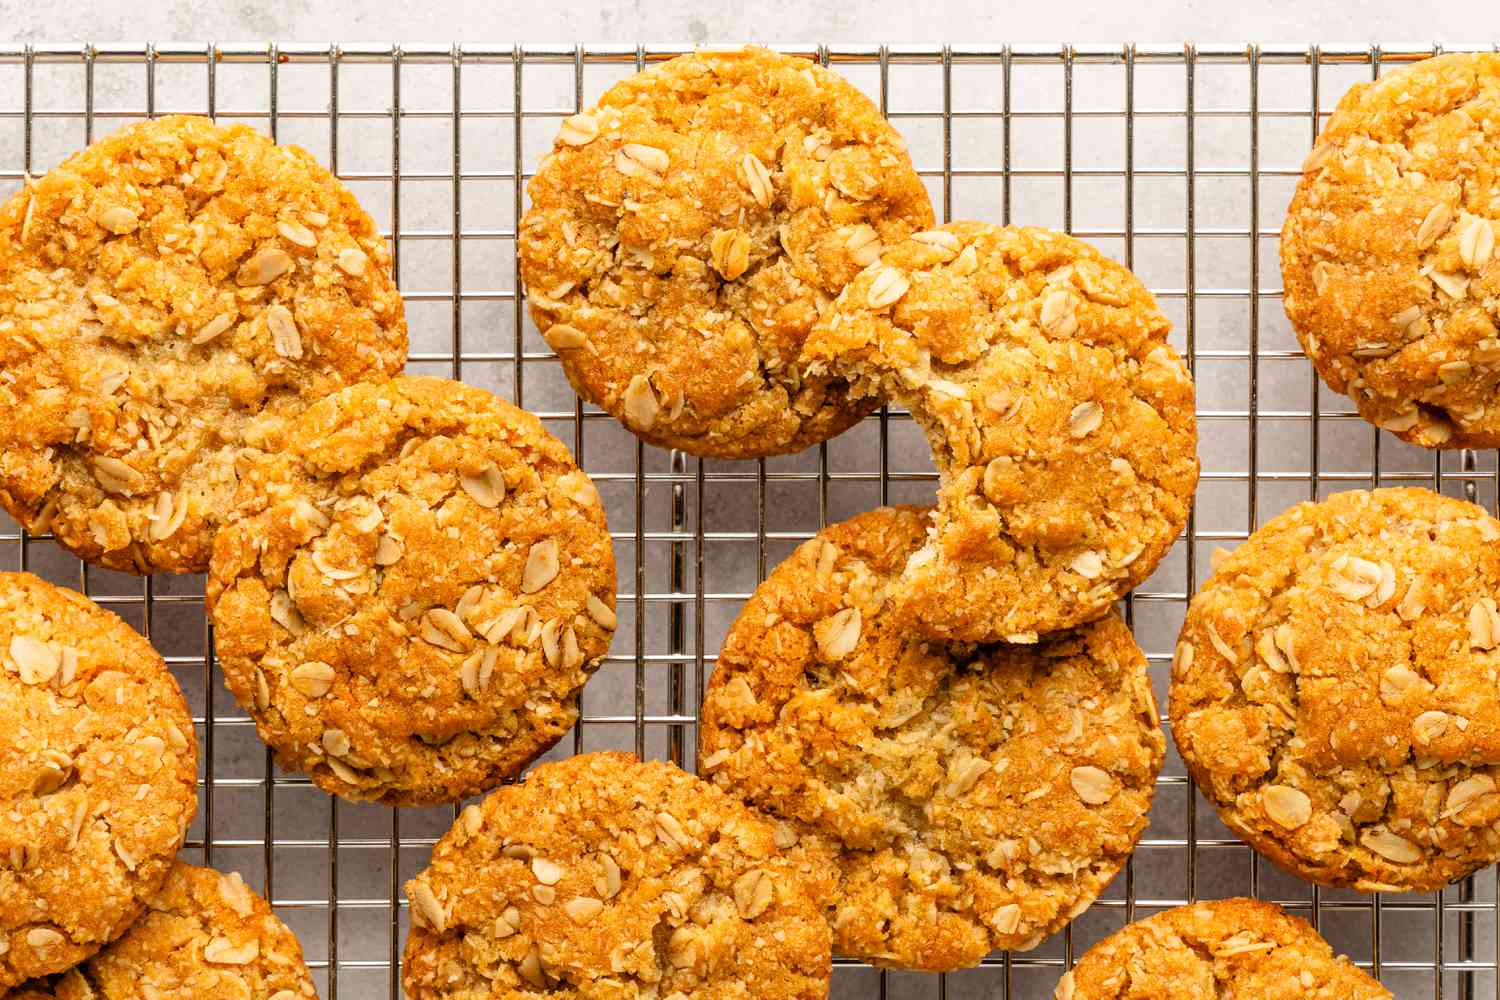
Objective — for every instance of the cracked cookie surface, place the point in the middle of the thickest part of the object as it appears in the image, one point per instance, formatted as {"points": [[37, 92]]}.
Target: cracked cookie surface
{"points": [[158, 291], [204, 936], [1224, 948], [1061, 422], [410, 596], [98, 770], [1334, 693], [600, 876], [685, 233], [1387, 252], [974, 799]]}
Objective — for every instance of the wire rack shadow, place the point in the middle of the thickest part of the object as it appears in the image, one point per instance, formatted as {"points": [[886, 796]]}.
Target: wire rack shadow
{"points": [[1177, 160]]}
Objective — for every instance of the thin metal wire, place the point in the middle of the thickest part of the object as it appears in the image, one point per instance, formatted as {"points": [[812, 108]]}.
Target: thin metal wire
{"points": [[662, 708], [393, 856]]}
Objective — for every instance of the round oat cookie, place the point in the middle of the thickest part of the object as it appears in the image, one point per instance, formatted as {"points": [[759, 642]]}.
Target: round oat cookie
{"points": [[204, 936], [1224, 948], [685, 233], [1060, 419], [410, 596], [973, 799], [158, 291], [1334, 691], [1387, 252], [600, 876], [98, 772]]}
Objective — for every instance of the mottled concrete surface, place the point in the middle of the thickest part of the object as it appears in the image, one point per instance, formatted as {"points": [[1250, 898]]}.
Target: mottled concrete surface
{"points": [[778, 20]]}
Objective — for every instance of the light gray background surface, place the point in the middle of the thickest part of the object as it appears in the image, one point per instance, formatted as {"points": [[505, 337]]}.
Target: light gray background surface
{"points": [[732, 499], [780, 20]]}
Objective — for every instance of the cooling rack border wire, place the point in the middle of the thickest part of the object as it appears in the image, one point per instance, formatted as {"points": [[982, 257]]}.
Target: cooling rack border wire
{"points": [[675, 493]]}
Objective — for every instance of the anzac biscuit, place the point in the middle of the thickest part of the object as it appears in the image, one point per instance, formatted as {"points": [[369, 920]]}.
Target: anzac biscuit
{"points": [[409, 597], [1387, 252], [158, 292], [1226, 948], [204, 936], [1060, 420], [1334, 691], [974, 799], [685, 233], [98, 771], [603, 877]]}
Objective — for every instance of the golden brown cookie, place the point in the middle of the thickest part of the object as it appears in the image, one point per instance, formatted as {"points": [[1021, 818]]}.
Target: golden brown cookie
{"points": [[973, 799], [685, 233], [1226, 948], [409, 598], [1060, 420], [604, 877], [1387, 252], [158, 291], [98, 771], [204, 936], [1334, 692]]}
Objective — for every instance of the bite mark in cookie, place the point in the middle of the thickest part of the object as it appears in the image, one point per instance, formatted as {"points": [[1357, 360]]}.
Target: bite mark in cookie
{"points": [[1060, 420]]}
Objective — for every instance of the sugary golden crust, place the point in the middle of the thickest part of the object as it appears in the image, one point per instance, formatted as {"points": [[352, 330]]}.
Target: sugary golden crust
{"points": [[98, 771], [410, 596], [1226, 948], [204, 936], [973, 800], [602, 877], [1387, 252], [158, 291], [1060, 420], [686, 232], [1334, 690]]}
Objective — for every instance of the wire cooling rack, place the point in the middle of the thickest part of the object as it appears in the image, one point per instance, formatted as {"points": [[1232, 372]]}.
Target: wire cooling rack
{"points": [[1177, 160]]}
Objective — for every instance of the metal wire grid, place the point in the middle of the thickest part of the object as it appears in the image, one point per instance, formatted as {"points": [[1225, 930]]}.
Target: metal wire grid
{"points": [[1177, 160]]}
